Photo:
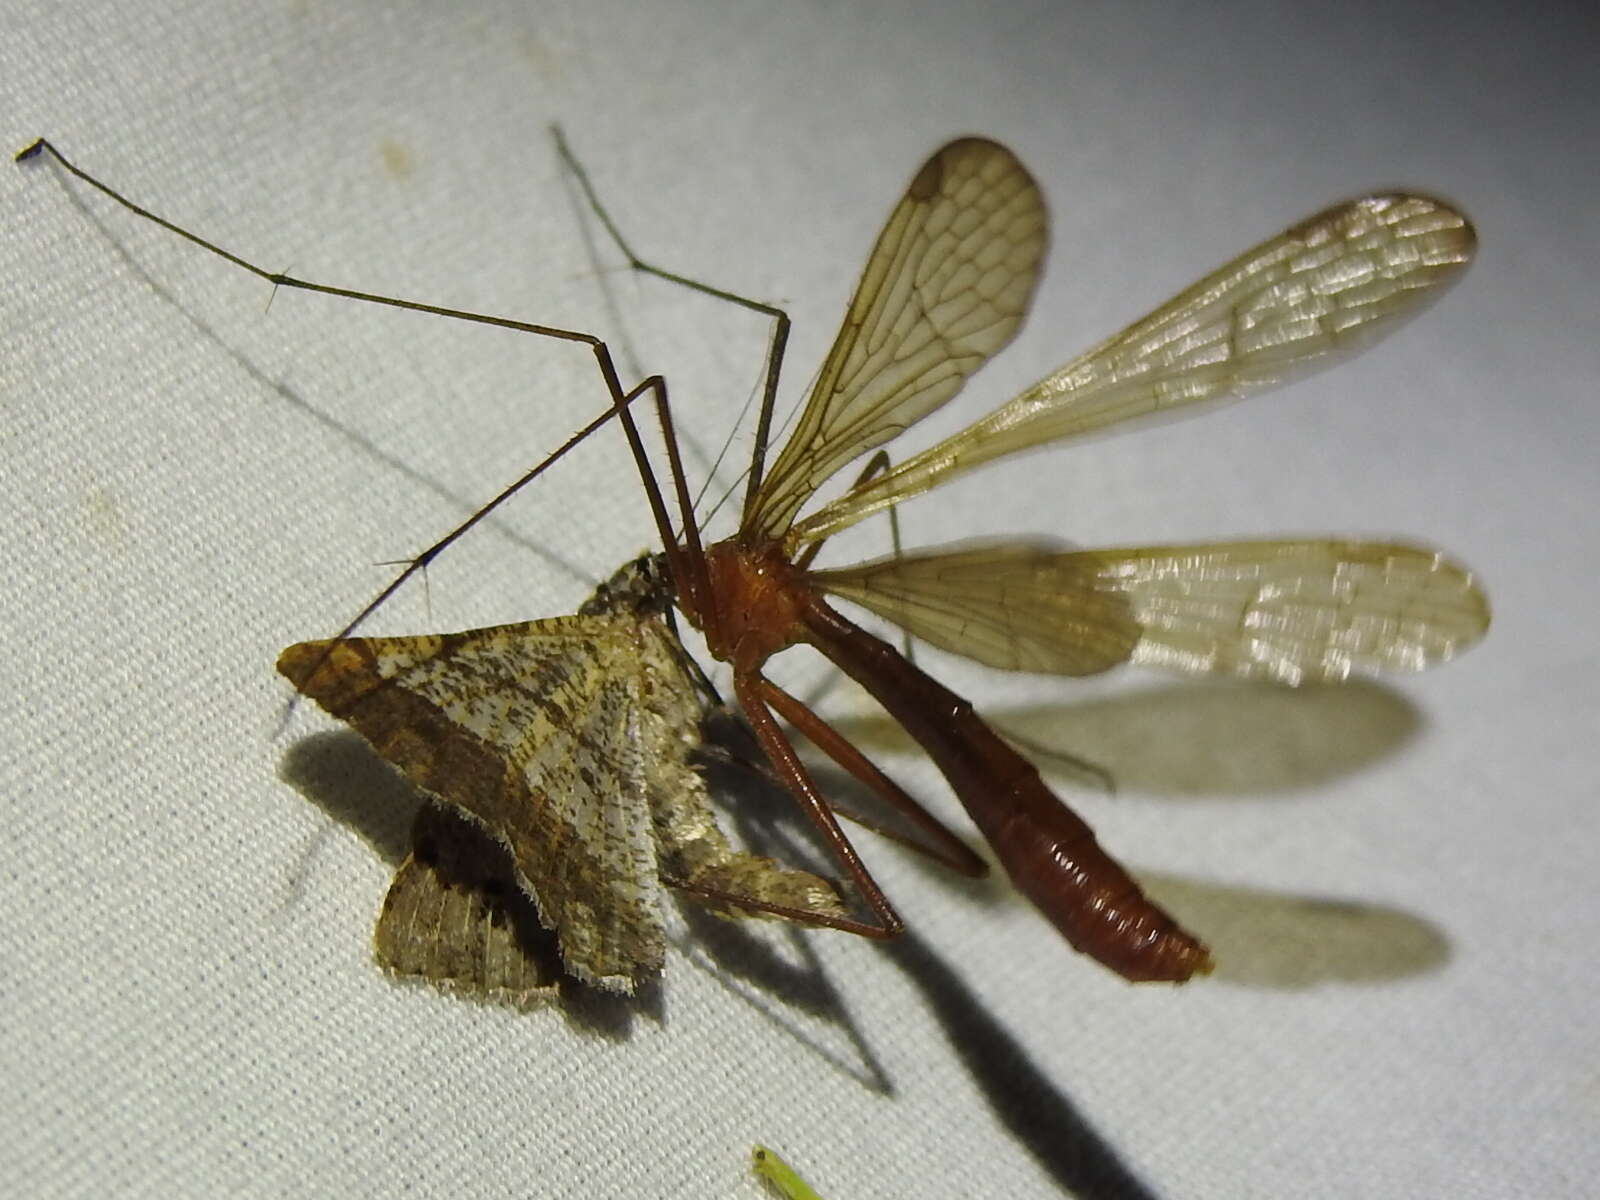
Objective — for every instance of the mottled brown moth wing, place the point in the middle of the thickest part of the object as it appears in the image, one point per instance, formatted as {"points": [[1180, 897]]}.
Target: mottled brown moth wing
{"points": [[693, 850], [535, 732], [567, 744], [456, 917]]}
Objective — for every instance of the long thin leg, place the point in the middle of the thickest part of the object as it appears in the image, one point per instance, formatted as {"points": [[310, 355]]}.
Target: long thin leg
{"points": [[421, 561], [950, 850], [747, 687], [758, 765], [654, 384], [780, 319], [277, 279], [689, 573], [688, 562], [620, 399], [581, 174]]}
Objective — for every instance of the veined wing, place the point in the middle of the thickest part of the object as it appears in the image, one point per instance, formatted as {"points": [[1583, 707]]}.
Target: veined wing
{"points": [[946, 286], [1011, 605], [1335, 282], [456, 916], [1290, 611]]}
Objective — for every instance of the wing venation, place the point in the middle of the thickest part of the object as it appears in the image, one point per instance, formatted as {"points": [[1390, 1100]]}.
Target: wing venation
{"points": [[945, 287], [1290, 611], [1324, 287]]}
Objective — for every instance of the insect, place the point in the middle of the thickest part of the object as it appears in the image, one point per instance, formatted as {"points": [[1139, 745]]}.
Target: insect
{"points": [[947, 286], [783, 1178], [569, 743]]}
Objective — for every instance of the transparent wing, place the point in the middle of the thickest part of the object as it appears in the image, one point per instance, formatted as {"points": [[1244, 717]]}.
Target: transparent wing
{"points": [[1006, 604], [946, 286], [1335, 282], [1290, 611]]}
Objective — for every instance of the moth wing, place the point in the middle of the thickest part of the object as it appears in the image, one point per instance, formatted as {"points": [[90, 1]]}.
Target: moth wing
{"points": [[455, 916], [531, 731], [691, 846]]}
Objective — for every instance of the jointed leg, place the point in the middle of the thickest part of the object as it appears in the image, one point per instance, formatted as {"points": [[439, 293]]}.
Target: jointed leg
{"points": [[780, 319], [620, 398], [421, 561], [44, 146], [757, 764], [949, 849], [788, 765]]}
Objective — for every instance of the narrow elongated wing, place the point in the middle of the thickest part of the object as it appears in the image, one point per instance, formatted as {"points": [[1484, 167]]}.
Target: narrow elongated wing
{"points": [[1290, 611], [946, 286], [1334, 282], [1006, 604]]}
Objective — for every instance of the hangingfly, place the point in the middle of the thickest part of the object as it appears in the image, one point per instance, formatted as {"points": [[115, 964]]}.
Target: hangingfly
{"points": [[946, 286]]}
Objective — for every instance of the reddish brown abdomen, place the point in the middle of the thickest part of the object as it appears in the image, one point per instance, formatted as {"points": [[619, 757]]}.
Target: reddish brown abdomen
{"points": [[1050, 854]]}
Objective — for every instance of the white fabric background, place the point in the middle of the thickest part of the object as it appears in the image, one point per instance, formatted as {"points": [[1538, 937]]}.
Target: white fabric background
{"points": [[1398, 878]]}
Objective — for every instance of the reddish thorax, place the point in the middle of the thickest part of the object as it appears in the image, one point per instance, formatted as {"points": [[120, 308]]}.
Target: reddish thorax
{"points": [[756, 604]]}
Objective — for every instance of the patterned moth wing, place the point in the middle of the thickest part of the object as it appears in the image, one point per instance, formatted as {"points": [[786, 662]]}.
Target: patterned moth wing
{"points": [[567, 743], [456, 917]]}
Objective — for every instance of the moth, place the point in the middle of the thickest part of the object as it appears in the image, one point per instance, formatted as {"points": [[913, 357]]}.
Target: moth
{"points": [[567, 745], [945, 287]]}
